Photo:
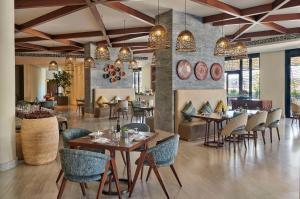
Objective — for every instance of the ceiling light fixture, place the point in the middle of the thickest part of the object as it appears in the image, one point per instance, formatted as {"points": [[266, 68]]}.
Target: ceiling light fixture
{"points": [[102, 52], [185, 40], [53, 66], [158, 36], [222, 47], [89, 62], [125, 52]]}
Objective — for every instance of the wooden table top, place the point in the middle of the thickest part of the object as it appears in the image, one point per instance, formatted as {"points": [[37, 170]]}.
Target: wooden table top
{"points": [[120, 144], [220, 117]]}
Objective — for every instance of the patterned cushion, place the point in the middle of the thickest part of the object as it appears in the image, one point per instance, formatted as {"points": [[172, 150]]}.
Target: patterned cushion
{"points": [[101, 100], [205, 108], [129, 99], [221, 105], [188, 110]]}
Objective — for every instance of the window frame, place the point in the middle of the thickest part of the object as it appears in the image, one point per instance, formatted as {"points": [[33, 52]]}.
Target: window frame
{"points": [[240, 72]]}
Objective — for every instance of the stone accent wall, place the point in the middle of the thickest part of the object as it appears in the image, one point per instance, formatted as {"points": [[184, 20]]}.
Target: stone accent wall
{"points": [[94, 77], [167, 80]]}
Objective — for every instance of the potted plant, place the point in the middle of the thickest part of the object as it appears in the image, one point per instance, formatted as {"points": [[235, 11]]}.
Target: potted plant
{"points": [[63, 80]]}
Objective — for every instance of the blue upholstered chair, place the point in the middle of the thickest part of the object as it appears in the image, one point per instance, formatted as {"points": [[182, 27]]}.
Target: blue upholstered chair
{"points": [[139, 126], [83, 167], [162, 155], [71, 134]]}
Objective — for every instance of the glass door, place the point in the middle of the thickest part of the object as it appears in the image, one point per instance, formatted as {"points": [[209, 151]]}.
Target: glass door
{"points": [[232, 86], [292, 79]]}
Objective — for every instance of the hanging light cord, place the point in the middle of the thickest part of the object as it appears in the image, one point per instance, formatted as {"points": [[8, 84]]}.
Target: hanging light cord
{"points": [[185, 14], [158, 12], [124, 33]]}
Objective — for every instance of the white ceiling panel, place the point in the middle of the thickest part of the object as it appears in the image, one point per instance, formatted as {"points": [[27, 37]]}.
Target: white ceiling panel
{"points": [[258, 28], [246, 3], [80, 21], [88, 39], [150, 7], [289, 24], [288, 10], [114, 19], [24, 15], [48, 43], [21, 35]]}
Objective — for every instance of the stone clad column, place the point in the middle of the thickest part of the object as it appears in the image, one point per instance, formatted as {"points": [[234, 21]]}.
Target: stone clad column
{"points": [[7, 86]]}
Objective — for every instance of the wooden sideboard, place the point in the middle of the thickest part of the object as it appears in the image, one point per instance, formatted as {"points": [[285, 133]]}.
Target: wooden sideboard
{"points": [[252, 104]]}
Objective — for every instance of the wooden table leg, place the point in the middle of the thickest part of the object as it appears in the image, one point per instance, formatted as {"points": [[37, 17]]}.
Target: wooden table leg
{"points": [[115, 172], [138, 169], [128, 170], [110, 107]]}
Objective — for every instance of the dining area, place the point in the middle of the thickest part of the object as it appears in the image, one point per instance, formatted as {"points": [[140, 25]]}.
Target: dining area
{"points": [[91, 156]]}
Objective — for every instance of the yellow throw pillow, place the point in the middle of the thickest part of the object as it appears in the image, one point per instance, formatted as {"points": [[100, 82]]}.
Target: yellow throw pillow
{"points": [[101, 100], [129, 99], [221, 105]]}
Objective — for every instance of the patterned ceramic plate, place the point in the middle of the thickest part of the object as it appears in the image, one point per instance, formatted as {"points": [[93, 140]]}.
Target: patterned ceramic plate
{"points": [[201, 70], [184, 69], [216, 71]]}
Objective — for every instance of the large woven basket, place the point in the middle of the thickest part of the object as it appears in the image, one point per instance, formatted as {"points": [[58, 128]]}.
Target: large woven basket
{"points": [[40, 139]]}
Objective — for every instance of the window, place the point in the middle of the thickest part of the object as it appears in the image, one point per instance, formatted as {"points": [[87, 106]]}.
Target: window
{"points": [[242, 77], [137, 80]]}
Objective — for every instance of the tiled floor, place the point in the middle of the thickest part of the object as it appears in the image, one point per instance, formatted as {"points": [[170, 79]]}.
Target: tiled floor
{"points": [[269, 172]]}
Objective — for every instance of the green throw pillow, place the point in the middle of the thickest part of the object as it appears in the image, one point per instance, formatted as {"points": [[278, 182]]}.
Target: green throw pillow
{"points": [[205, 108], [188, 111]]}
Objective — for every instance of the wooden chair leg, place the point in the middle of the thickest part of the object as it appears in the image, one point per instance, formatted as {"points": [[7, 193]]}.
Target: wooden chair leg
{"points": [[244, 142], [234, 137], [263, 135], [123, 157], [115, 175], [82, 189], [109, 183], [278, 133], [62, 187], [175, 174], [142, 172], [59, 176], [148, 174], [154, 167], [85, 185], [103, 179], [271, 135], [255, 138]]}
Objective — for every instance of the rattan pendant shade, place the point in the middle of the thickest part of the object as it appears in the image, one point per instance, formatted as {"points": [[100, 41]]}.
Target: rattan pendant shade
{"points": [[102, 53]]}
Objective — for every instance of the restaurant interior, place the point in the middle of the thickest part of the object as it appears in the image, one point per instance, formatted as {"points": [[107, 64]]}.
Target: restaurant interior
{"points": [[150, 99]]}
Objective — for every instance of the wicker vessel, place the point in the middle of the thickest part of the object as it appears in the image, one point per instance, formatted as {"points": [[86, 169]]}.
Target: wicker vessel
{"points": [[40, 139]]}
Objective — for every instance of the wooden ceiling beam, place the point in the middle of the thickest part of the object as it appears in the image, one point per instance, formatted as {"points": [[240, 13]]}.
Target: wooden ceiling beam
{"points": [[22, 4], [276, 27], [132, 12], [143, 51], [264, 33], [249, 11], [130, 44], [32, 46], [52, 15], [98, 19], [63, 48], [271, 18], [135, 30], [277, 4], [123, 38], [129, 30]]}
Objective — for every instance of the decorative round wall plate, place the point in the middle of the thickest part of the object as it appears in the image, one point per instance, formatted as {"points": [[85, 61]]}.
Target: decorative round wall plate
{"points": [[184, 69], [201, 70], [216, 71]]}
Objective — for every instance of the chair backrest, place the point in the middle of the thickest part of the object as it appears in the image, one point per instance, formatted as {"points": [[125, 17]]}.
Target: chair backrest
{"points": [[273, 116], [259, 118], [82, 163], [122, 104], [165, 151], [139, 126], [135, 106], [73, 133], [295, 107], [239, 121]]}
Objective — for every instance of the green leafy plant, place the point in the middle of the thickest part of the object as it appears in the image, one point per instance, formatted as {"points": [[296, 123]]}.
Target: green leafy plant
{"points": [[63, 80]]}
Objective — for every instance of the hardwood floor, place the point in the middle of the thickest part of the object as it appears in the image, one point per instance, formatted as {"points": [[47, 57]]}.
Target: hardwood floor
{"points": [[269, 172]]}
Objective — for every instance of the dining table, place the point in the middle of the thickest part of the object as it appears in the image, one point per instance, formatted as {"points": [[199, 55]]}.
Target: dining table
{"points": [[112, 142], [218, 119]]}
